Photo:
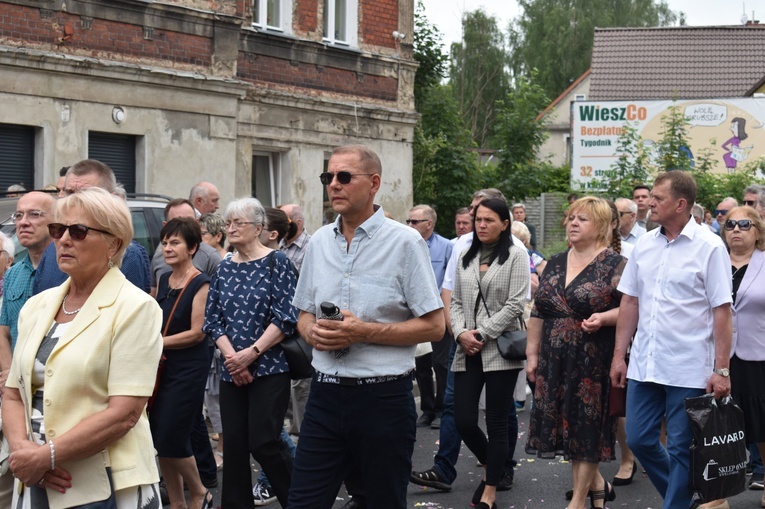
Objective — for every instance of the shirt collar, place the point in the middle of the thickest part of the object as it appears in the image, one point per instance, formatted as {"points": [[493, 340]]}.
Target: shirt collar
{"points": [[370, 226], [689, 230]]}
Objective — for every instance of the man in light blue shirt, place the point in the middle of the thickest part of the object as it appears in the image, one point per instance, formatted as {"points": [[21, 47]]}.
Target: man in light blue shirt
{"points": [[423, 219], [360, 414]]}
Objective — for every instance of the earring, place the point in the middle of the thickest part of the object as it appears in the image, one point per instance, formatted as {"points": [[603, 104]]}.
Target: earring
{"points": [[111, 263]]}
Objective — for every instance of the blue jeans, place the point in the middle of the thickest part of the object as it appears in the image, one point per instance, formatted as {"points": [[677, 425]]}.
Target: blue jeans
{"points": [[262, 478], [450, 440], [668, 468], [755, 460]]}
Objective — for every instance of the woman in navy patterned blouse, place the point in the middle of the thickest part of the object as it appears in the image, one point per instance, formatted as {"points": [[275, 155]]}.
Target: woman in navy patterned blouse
{"points": [[249, 311]]}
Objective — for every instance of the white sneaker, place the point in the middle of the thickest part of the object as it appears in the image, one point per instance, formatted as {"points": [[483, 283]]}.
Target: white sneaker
{"points": [[263, 495]]}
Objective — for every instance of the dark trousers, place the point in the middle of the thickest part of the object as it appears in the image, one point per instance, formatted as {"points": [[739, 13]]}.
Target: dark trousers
{"points": [[441, 350], [468, 384], [423, 372], [449, 440], [200, 445], [203, 453], [367, 427], [252, 416]]}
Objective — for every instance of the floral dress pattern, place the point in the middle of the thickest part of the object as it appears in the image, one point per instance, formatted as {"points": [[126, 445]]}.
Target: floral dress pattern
{"points": [[570, 415]]}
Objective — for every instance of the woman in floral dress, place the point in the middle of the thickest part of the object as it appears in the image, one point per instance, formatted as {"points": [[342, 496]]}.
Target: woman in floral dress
{"points": [[570, 346]]}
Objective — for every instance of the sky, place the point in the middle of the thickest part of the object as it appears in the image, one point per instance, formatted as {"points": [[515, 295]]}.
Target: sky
{"points": [[446, 14]]}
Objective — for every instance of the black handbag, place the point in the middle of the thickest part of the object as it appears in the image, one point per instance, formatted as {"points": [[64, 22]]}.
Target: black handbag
{"points": [[511, 343], [297, 351]]}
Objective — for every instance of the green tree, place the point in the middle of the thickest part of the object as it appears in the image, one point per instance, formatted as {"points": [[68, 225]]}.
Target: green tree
{"points": [[518, 134], [672, 149], [428, 51], [630, 168], [479, 73], [556, 36], [445, 170]]}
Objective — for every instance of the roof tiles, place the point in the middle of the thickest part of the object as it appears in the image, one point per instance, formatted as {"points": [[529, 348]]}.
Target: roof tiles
{"points": [[677, 62]]}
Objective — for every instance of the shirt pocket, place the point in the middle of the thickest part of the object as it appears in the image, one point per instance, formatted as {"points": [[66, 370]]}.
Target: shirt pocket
{"points": [[379, 296], [681, 285]]}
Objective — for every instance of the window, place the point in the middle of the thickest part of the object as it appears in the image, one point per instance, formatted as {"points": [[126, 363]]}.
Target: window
{"points": [[340, 22], [272, 15], [17, 150], [266, 178], [118, 152]]}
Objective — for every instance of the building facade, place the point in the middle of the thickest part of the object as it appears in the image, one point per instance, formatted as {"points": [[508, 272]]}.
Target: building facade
{"points": [[251, 96]]}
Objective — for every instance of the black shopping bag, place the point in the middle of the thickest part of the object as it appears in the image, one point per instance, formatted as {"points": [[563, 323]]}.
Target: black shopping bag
{"points": [[718, 450]]}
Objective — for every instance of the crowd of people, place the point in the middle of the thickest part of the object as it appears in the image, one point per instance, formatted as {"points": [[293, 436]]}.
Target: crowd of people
{"points": [[117, 366]]}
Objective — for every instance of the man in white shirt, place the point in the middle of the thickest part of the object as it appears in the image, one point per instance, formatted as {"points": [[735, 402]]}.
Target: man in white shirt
{"points": [[677, 295], [628, 227]]}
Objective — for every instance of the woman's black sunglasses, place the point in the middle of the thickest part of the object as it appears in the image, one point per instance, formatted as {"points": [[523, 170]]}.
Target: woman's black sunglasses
{"points": [[76, 231], [743, 224]]}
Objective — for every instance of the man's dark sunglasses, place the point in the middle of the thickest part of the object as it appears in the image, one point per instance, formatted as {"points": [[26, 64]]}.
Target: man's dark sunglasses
{"points": [[743, 224], [720, 212], [76, 231], [416, 221], [344, 177], [749, 203]]}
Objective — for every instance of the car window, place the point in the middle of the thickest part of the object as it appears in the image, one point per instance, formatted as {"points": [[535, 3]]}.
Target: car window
{"points": [[141, 232]]}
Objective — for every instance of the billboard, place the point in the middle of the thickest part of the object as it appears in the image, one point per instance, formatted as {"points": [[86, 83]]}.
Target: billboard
{"points": [[731, 128]]}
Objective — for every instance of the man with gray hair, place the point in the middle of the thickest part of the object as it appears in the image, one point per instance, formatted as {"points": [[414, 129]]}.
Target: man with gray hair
{"points": [[423, 219], [294, 247], [754, 196], [722, 209], [629, 230], [205, 197]]}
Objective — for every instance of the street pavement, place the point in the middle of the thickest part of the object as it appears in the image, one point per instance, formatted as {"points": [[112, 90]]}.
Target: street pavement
{"points": [[539, 484]]}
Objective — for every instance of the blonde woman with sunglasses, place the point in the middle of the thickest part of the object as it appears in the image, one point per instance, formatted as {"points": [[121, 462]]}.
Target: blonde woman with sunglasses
{"points": [[83, 369]]}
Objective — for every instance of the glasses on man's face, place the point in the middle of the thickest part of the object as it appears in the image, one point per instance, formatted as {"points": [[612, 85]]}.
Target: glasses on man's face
{"points": [[76, 231], [749, 203], [32, 215], [415, 221], [237, 225], [343, 177], [743, 224], [721, 212], [621, 213], [205, 232]]}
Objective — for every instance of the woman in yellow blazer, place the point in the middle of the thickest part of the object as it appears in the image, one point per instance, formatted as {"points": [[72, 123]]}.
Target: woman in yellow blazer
{"points": [[84, 367], [490, 290]]}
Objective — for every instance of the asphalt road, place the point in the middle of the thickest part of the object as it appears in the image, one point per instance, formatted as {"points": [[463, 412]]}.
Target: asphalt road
{"points": [[538, 483]]}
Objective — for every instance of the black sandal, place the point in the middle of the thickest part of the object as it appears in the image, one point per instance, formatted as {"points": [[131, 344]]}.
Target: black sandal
{"points": [[606, 494], [430, 479], [570, 494], [208, 501]]}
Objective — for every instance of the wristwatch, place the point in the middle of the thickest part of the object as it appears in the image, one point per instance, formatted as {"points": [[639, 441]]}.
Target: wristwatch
{"points": [[725, 372]]}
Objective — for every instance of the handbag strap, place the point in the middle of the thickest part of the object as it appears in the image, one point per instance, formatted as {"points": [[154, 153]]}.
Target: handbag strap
{"points": [[175, 304], [480, 298]]}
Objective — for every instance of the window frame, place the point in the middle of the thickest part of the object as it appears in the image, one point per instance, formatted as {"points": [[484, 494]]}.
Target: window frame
{"points": [[352, 23], [285, 16], [275, 175]]}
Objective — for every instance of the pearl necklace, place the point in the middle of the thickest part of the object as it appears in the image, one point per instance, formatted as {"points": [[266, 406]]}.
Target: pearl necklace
{"points": [[63, 307]]}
